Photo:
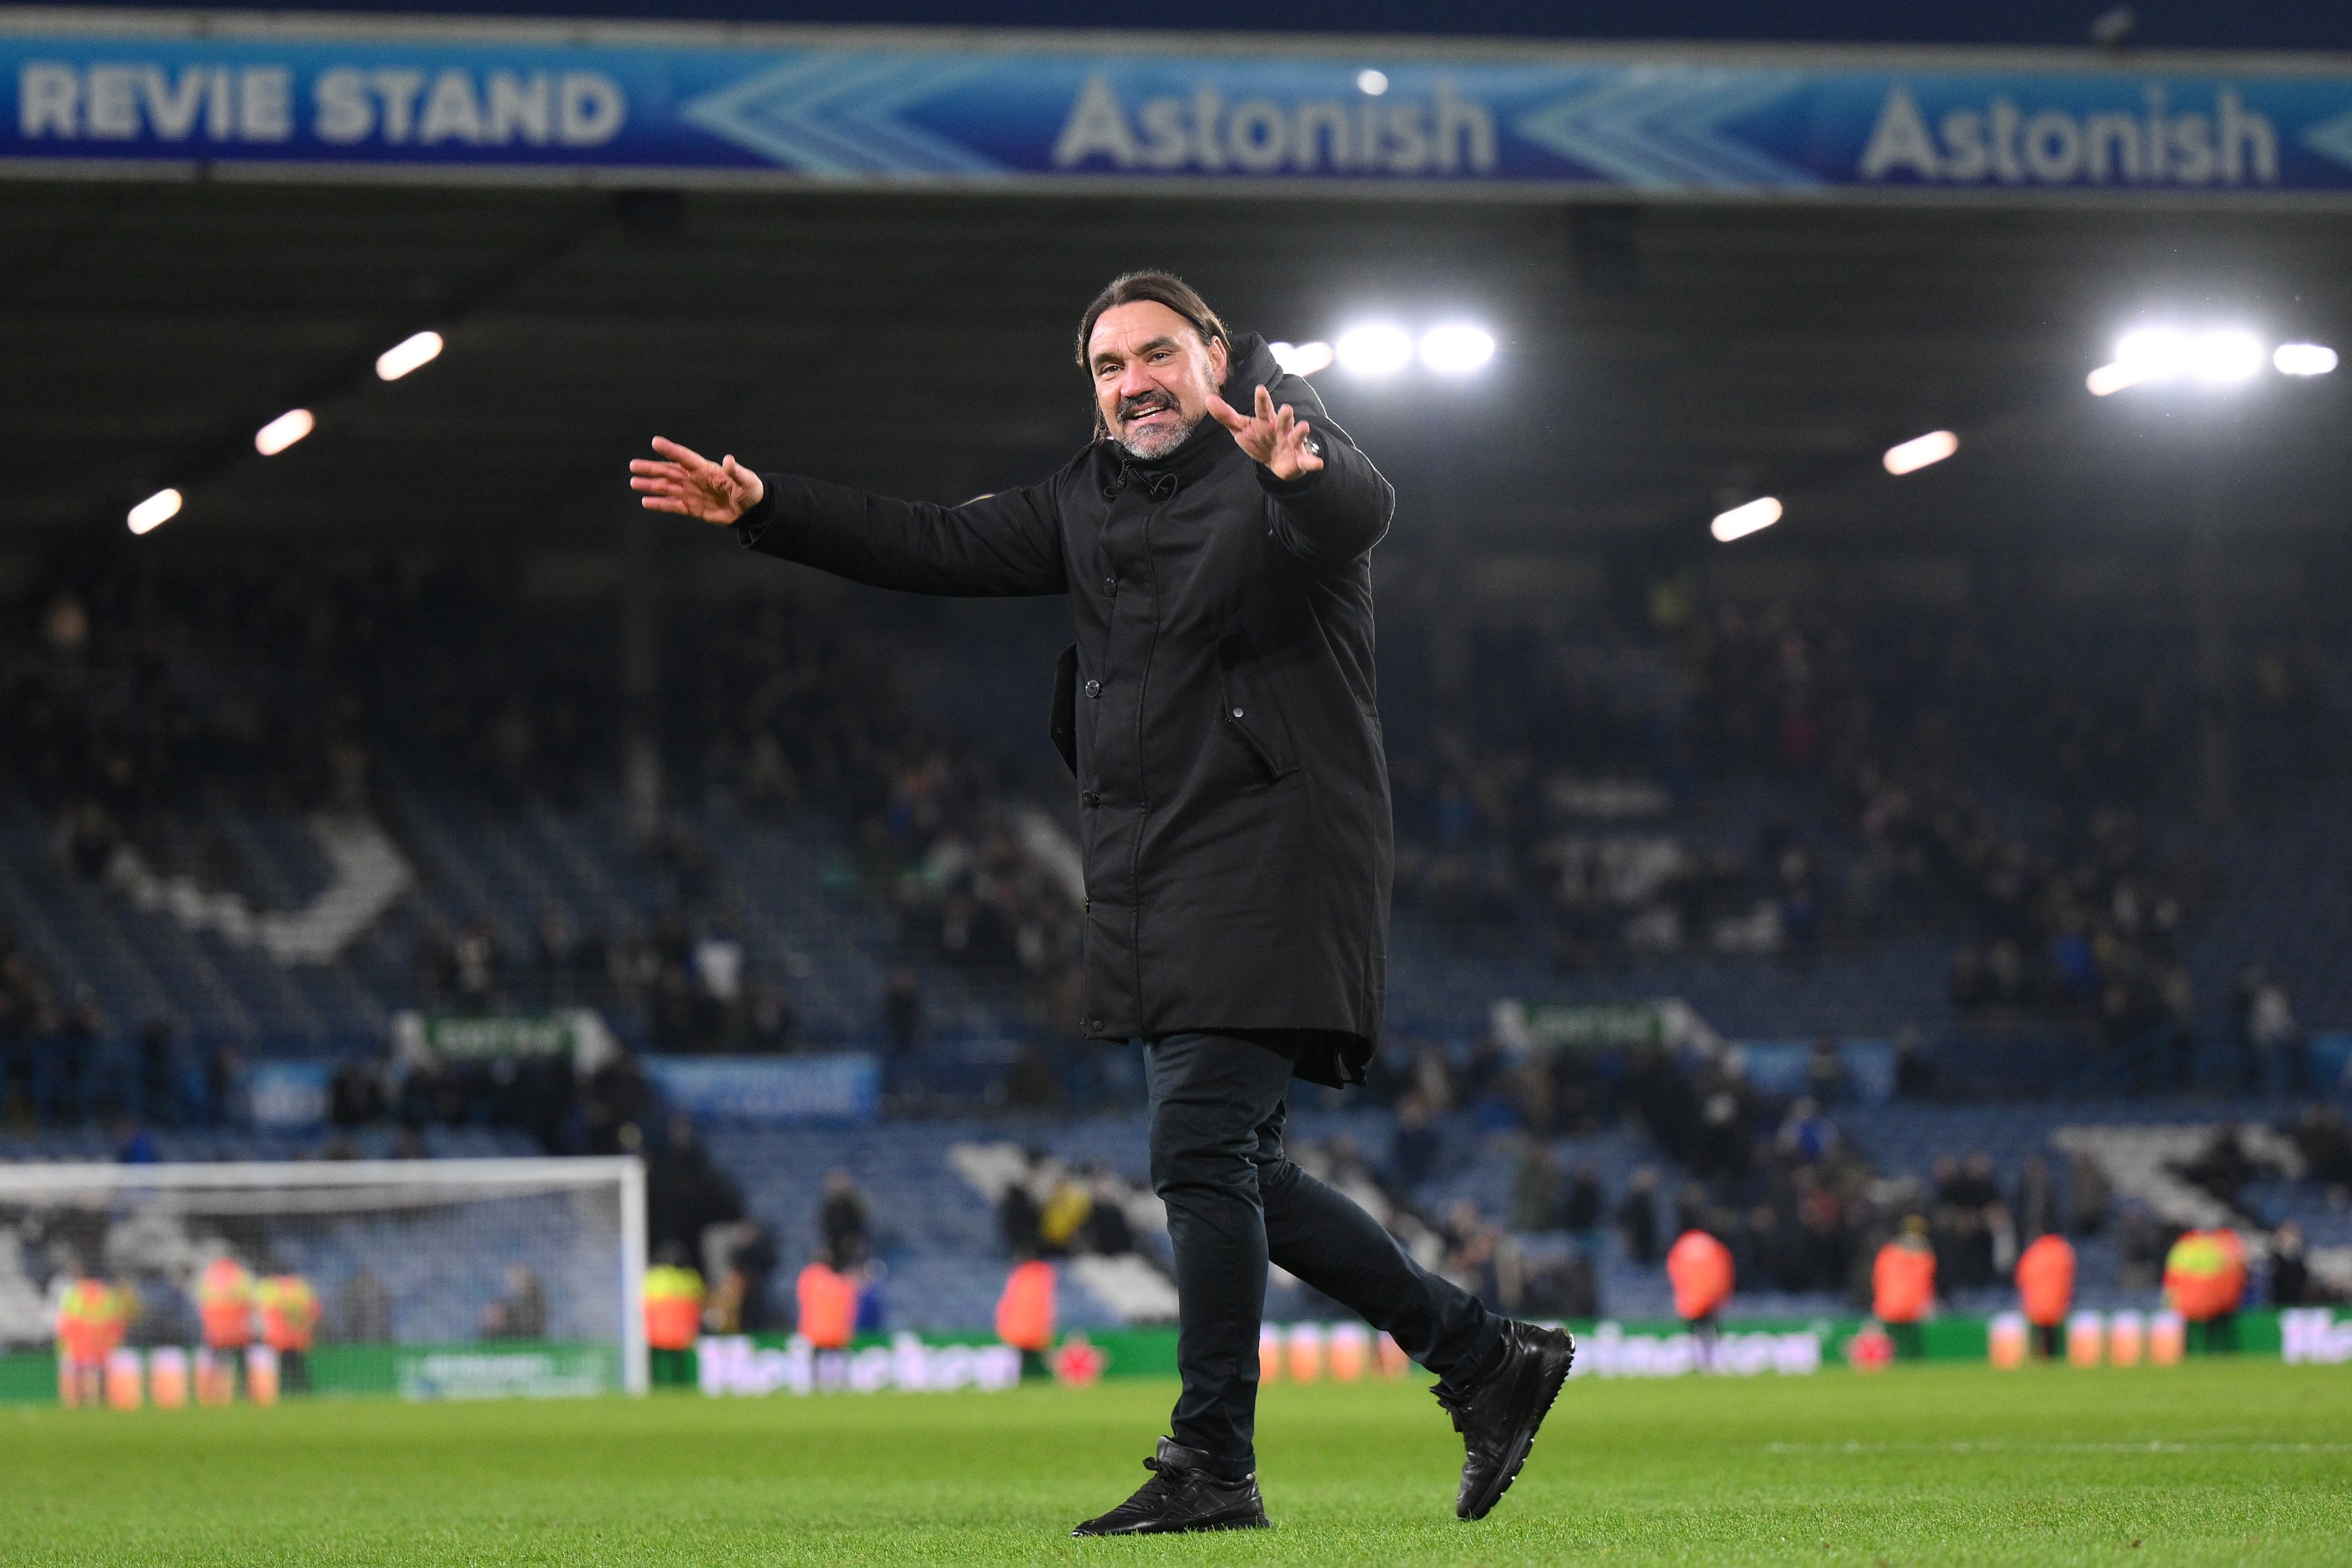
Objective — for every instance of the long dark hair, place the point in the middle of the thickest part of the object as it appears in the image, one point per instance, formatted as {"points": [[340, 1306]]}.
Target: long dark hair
{"points": [[1160, 288]]}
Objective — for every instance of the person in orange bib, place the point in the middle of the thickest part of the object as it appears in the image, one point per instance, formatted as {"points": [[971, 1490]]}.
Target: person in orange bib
{"points": [[289, 1320], [672, 1298], [1699, 1267], [2045, 1286], [1025, 1312], [224, 1305], [1903, 1286], [828, 1303], [2205, 1282], [92, 1319]]}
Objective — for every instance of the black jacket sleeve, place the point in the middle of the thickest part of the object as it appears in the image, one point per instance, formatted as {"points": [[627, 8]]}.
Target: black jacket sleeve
{"points": [[999, 545], [1331, 517]]}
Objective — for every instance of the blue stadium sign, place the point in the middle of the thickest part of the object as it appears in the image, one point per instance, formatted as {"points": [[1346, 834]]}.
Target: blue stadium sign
{"points": [[915, 110]]}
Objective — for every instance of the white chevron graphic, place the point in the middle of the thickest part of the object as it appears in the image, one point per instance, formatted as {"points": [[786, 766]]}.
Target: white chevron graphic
{"points": [[2332, 139], [835, 115], [1657, 127]]}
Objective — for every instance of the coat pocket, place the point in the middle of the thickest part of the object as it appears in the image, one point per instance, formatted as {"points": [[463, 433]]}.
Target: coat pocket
{"points": [[1250, 712]]}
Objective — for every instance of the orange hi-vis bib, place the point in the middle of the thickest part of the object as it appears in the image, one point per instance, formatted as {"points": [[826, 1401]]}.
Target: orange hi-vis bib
{"points": [[1024, 1313], [2045, 1281], [1700, 1269], [2205, 1275], [225, 1303], [1902, 1283], [673, 1307], [828, 1301], [290, 1312], [91, 1322]]}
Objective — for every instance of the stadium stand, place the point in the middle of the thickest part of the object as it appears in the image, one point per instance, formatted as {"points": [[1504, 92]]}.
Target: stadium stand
{"points": [[1963, 852]]}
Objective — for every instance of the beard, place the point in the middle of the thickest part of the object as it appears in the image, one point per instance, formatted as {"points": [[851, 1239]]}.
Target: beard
{"points": [[1157, 442]]}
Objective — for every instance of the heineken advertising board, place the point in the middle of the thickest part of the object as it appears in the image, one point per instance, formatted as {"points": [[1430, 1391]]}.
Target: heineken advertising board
{"points": [[177, 93]]}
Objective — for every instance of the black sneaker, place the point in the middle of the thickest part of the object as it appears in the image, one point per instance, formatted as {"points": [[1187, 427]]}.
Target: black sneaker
{"points": [[1182, 1495], [1497, 1417]]}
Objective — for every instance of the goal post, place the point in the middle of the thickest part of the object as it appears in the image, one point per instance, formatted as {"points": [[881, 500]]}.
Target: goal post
{"points": [[432, 1279]]}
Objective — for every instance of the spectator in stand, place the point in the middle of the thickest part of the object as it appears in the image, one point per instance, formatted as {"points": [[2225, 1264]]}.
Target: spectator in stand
{"points": [[1107, 1232], [1637, 1217], [522, 1312], [1413, 1150], [2325, 1144], [843, 1218], [2272, 1059], [1580, 1215], [2292, 1283], [2036, 1208], [1535, 1199]]}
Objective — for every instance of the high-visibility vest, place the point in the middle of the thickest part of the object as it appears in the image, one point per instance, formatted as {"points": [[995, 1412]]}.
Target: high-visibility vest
{"points": [[1700, 1269], [225, 1303], [672, 1307], [828, 1301], [290, 1312], [2045, 1281], [90, 1321], [2205, 1274], [1901, 1281], [1024, 1313]]}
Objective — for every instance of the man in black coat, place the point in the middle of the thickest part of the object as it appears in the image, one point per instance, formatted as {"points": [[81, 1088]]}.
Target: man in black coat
{"points": [[1218, 712]]}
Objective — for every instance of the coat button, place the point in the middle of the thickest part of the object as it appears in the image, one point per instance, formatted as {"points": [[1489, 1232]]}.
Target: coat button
{"points": [[1237, 712], [1094, 1025], [1094, 689], [1110, 585], [1090, 799]]}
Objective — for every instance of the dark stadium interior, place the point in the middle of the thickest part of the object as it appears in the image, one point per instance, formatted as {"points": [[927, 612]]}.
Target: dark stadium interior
{"points": [[2033, 765]]}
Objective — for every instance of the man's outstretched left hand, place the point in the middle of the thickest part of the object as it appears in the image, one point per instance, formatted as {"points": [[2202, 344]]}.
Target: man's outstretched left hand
{"points": [[1275, 436]]}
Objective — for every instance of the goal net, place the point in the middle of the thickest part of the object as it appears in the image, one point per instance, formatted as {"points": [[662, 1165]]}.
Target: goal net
{"points": [[428, 1278]]}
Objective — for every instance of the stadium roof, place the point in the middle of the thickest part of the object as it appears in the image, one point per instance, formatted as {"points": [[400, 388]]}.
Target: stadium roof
{"points": [[1654, 360]]}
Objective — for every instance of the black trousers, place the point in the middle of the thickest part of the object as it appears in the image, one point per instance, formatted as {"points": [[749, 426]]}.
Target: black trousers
{"points": [[1234, 1201]]}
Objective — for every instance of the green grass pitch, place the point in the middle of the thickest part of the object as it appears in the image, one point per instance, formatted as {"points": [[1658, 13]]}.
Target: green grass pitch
{"points": [[2249, 1462]]}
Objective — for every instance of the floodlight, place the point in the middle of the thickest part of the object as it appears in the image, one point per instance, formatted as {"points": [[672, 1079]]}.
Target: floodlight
{"points": [[2224, 356], [1742, 520], [2154, 354], [1375, 349], [283, 432], [1456, 348], [1373, 83], [1911, 456], [1302, 359], [2304, 359], [407, 354], [155, 512], [2110, 379]]}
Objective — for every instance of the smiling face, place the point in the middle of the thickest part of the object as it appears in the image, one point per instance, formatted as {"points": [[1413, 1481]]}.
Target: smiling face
{"points": [[1154, 376]]}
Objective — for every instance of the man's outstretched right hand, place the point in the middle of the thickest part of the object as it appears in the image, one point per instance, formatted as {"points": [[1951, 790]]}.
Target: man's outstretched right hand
{"points": [[691, 485]]}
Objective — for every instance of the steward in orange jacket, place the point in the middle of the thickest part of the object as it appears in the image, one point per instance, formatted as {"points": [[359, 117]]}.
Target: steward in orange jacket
{"points": [[828, 1303], [1699, 1267], [224, 1304], [2046, 1287], [1903, 1286], [1024, 1313]]}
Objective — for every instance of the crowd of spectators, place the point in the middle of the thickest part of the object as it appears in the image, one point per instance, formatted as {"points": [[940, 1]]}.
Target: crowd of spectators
{"points": [[780, 705]]}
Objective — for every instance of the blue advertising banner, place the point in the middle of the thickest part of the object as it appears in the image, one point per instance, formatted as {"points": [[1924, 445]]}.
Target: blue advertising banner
{"points": [[1072, 111], [845, 1086]]}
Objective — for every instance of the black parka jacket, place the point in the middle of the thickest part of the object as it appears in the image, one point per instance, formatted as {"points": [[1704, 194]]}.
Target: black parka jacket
{"points": [[1218, 710]]}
